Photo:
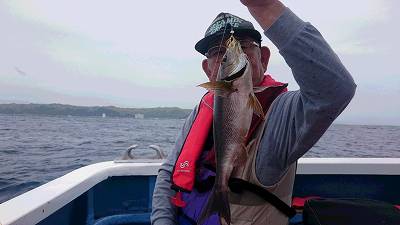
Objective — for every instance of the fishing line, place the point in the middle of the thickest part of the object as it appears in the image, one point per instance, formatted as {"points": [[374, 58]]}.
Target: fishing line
{"points": [[222, 39]]}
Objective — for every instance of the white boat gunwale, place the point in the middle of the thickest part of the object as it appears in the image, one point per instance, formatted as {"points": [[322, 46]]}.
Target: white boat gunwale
{"points": [[48, 198]]}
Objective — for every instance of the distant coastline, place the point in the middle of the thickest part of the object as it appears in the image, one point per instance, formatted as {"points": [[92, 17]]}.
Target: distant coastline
{"points": [[99, 111]]}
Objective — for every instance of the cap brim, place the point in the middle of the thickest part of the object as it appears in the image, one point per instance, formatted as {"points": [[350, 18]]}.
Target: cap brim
{"points": [[203, 45]]}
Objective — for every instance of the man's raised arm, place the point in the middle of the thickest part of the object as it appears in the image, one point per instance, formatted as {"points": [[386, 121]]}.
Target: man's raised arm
{"points": [[297, 119]]}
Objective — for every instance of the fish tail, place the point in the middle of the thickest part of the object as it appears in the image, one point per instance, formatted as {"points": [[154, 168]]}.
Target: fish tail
{"points": [[217, 203]]}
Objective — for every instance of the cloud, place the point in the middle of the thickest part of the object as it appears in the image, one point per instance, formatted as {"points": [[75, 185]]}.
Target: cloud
{"points": [[130, 53]]}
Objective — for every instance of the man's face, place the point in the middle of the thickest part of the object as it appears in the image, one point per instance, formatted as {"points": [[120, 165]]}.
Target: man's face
{"points": [[254, 52]]}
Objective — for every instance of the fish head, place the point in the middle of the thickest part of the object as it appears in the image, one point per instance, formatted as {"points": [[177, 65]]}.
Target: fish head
{"points": [[234, 61], [234, 70]]}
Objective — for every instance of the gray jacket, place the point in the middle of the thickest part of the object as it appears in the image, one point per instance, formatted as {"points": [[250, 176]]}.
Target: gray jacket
{"points": [[297, 119]]}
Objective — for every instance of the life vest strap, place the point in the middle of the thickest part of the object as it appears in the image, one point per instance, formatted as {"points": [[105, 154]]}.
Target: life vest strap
{"points": [[238, 186]]}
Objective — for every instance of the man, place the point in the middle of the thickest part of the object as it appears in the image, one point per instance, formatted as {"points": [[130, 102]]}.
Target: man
{"points": [[294, 123]]}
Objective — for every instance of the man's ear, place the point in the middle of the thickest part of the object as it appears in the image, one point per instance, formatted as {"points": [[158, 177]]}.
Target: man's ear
{"points": [[206, 68], [265, 54]]}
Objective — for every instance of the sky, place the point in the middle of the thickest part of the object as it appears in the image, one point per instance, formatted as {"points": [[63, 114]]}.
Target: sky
{"points": [[141, 53]]}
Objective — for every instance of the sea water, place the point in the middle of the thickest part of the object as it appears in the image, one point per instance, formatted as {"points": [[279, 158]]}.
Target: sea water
{"points": [[37, 149]]}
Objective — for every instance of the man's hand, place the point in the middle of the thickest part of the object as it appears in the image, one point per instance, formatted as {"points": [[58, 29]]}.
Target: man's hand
{"points": [[266, 12]]}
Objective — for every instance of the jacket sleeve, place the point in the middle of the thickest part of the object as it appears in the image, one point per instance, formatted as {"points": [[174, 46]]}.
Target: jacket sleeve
{"points": [[163, 212], [297, 119]]}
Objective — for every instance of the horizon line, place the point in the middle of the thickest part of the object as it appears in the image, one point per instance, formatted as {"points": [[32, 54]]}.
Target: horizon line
{"points": [[336, 122]]}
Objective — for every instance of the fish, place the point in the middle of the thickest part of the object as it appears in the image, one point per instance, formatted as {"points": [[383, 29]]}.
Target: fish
{"points": [[234, 105]]}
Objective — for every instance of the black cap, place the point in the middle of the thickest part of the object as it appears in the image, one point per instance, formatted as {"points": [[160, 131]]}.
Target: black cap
{"points": [[221, 26]]}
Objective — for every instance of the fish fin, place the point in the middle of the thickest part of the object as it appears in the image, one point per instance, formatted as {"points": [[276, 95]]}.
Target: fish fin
{"points": [[217, 203], [255, 105], [218, 85], [259, 89]]}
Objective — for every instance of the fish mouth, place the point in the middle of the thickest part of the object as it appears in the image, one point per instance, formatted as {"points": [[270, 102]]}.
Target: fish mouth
{"points": [[237, 74]]}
